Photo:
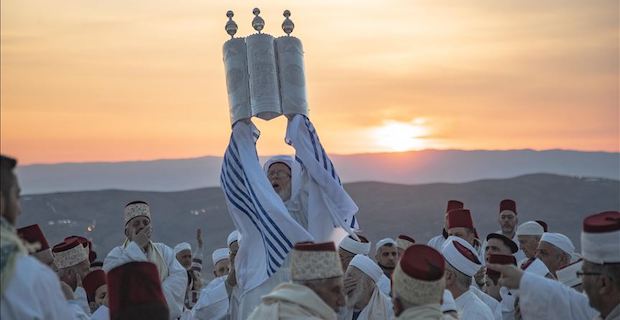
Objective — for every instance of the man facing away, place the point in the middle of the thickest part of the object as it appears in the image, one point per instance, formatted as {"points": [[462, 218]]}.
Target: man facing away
{"points": [[316, 290], [139, 247]]}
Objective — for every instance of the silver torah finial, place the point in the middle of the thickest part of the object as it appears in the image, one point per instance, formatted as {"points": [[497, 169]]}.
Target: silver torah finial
{"points": [[288, 24], [231, 26], [257, 23]]}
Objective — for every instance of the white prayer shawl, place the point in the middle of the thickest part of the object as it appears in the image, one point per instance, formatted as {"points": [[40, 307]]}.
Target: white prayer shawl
{"points": [[326, 194], [267, 232], [436, 242], [214, 283], [385, 285], [290, 301], [519, 255], [508, 303], [172, 275], [102, 313], [470, 307], [213, 303], [543, 298], [379, 307], [34, 292], [494, 305]]}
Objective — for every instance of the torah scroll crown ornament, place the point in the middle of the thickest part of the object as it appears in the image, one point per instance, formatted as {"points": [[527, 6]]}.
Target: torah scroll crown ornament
{"points": [[288, 24], [231, 26], [257, 23]]}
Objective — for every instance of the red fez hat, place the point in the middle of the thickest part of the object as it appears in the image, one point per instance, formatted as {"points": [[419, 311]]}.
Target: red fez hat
{"points": [[92, 282], [508, 204], [92, 255], [499, 259], [406, 238], [69, 253], [454, 204], [460, 218], [507, 241], [543, 224], [423, 262], [135, 286], [33, 234], [311, 246]]}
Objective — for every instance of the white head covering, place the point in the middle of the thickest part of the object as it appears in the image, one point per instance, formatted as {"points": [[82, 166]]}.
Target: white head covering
{"points": [[220, 254], [69, 254], [383, 242], [448, 303], [296, 182], [136, 209], [457, 259], [568, 274], [182, 246], [355, 246], [367, 266], [600, 237], [232, 237], [530, 228], [559, 240]]}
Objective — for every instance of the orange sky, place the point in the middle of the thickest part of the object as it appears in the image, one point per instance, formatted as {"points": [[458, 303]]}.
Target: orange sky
{"points": [[129, 80]]}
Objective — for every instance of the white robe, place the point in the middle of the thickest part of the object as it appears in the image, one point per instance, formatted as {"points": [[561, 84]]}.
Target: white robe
{"points": [[291, 301], [34, 292], [494, 305], [470, 307], [379, 307], [80, 298], [543, 298], [173, 285], [213, 303], [102, 313], [385, 285]]}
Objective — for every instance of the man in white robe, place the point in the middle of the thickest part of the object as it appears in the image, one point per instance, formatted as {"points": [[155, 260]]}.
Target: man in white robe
{"points": [[139, 247], [437, 241], [463, 263], [72, 264], [316, 291], [419, 284], [364, 298], [555, 250], [528, 235], [508, 220], [386, 256], [543, 298], [349, 247], [28, 289]]}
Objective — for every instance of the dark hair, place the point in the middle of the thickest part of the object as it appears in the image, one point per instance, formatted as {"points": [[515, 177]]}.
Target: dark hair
{"points": [[7, 177]]}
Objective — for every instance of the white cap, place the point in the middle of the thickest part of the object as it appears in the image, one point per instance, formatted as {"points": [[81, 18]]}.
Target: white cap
{"points": [[461, 255], [354, 246], [600, 237], [448, 304], [559, 240], [220, 254], [568, 274], [530, 228], [383, 242], [182, 246], [232, 237], [367, 266]]}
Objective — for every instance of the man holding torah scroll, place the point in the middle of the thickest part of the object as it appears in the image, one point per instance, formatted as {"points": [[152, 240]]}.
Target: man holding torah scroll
{"points": [[289, 200]]}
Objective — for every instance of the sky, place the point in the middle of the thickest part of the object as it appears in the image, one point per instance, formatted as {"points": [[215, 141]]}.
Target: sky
{"points": [[122, 80]]}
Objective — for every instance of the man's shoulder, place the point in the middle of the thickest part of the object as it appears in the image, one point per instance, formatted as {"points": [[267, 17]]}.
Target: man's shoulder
{"points": [[31, 273], [475, 306]]}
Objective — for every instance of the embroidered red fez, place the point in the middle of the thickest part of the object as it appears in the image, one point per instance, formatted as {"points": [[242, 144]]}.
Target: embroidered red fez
{"points": [[454, 204], [69, 253], [507, 241], [92, 255], [499, 259], [508, 204], [134, 286], [460, 218], [33, 234], [92, 282]]}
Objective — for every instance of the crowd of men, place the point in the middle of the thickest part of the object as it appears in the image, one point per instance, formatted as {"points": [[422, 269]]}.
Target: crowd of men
{"points": [[522, 271]]}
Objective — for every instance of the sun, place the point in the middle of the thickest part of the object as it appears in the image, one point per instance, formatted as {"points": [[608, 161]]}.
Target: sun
{"points": [[401, 136]]}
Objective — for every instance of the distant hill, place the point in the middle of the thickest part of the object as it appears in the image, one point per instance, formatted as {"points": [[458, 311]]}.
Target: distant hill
{"points": [[415, 167], [385, 209]]}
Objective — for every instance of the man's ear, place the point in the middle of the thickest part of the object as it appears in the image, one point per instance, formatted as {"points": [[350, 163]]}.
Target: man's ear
{"points": [[126, 233]]}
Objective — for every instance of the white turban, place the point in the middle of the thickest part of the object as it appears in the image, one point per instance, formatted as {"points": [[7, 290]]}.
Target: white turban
{"points": [[232, 237], [383, 242], [455, 250], [568, 274], [367, 266], [559, 240], [182, 246], [530, 228], [220, 254], [355, 246]]}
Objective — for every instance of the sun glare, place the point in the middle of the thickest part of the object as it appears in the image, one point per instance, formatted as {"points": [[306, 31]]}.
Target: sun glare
{"points": [[401, 136]]}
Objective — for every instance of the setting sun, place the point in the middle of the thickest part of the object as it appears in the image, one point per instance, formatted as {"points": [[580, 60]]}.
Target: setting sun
{"points": [[402, 136]]}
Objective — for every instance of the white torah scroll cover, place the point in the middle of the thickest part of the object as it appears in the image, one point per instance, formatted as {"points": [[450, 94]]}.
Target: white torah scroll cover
{"points": [[264, 89], [291, 74], [237, 79]]}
